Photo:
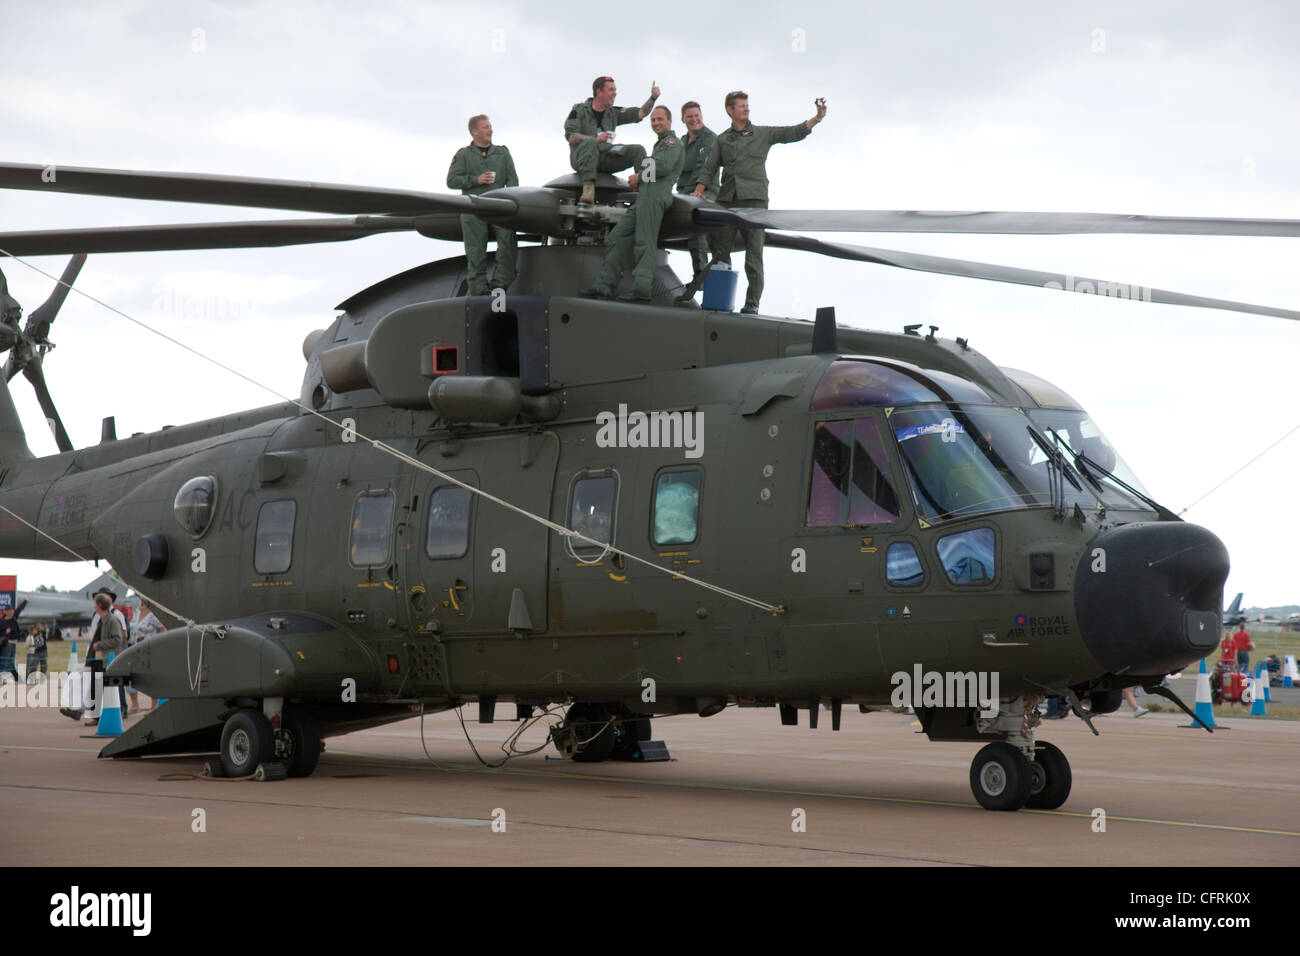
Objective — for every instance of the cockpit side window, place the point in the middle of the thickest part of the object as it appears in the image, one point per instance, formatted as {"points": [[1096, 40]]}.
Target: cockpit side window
{"points": [[851, 480]]}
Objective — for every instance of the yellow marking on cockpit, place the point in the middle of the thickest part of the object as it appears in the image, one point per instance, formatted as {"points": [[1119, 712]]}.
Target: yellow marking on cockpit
{"points": [[617, 577]]}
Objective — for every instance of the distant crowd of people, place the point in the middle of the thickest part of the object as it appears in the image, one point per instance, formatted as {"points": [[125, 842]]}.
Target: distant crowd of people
{"points": [[112, 629]]}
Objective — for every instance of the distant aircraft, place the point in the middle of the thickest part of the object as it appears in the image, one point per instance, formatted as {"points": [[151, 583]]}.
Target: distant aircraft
{"points": [[63, 608], [1233, 616]]}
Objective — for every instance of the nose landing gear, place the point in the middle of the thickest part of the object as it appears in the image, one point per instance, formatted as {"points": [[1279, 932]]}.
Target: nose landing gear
{"points": [[1017, 772], [1003, 778]]}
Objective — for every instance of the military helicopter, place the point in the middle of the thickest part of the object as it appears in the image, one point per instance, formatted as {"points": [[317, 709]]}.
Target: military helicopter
{"points": [[480, 499]]}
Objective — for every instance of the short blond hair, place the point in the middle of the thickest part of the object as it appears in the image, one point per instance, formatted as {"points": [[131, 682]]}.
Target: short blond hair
{"points": [[474, 121]]}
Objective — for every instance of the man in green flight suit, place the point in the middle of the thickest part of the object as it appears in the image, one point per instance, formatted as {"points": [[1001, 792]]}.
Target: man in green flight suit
{"points": [[589, 130], [741, 151], [639, 227], [699, 142], [475, 169]]}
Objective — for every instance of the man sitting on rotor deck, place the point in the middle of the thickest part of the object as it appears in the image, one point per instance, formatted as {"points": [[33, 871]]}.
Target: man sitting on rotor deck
{"points": [[654, 196], [741, 151], [475, 169], [590, 132], [698, 142]]}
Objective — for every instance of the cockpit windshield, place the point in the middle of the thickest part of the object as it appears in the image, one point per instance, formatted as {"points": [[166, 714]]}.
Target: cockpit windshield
{"points": [[970, 459]]}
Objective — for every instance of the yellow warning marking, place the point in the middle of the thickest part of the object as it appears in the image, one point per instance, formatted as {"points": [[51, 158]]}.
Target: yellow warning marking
{"points": [[302, 656], [451, 592], [683, 785], [617, 577]]}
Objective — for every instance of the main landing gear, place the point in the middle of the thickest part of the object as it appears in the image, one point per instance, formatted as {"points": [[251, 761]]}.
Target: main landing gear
{"points": [[592, 733], [1017, 772], [250, 746]]}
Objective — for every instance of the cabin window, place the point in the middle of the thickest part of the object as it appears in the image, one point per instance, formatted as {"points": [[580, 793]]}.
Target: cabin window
{"points": [[903, 566], [851, 483], [195, 504], [592, 514], [448, 532], [372, 526], [273, 551], [969, 557], [676, 518]]}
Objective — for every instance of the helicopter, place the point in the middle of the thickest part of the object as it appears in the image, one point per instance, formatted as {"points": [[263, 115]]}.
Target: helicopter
{"points": [[478, 499]]}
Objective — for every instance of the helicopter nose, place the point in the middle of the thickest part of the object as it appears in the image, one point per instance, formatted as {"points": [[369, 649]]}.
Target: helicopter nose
{"points": [[1148, 596]]}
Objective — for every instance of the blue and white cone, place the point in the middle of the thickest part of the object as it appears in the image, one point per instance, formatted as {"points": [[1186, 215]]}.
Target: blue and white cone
{"points": [[1204, 703], [110, 710], [1290, 676], [1257, 708]]}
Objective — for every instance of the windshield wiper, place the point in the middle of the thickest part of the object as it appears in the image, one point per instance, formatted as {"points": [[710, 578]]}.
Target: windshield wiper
{"points": [[1085, 463], [1054, 455]]}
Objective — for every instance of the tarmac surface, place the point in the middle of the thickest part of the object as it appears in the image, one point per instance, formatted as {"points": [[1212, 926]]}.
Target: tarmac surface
{"points": [[875, 793]]}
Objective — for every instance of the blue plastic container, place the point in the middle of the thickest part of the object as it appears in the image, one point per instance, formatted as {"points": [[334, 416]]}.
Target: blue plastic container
{"points": [[720, 289]]}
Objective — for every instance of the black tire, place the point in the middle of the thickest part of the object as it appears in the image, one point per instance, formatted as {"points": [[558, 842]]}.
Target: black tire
{"points": [[246, 741], [301, 742], [1050, 788], [593, 730], [1000, 777], [628, 734]]}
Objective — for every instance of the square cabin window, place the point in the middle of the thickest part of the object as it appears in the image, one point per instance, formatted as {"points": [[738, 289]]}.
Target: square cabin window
{"points": [[592, 514], [372, 526], [448, 532], [273, 551], [676, 518]]}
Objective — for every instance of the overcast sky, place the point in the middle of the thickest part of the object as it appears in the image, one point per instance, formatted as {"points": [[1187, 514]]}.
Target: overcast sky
{"points": [[1179, 108]]}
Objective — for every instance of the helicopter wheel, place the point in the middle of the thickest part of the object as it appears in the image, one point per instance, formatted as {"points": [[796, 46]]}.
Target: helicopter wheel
{"points": [[627, 735], [586, 720], [299, 743], [1000, 777], [246, 741], [1050, 778]]}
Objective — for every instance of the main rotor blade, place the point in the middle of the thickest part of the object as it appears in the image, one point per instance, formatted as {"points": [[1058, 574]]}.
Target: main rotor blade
{"points": [[940, 265], [1008, 223], [38, 323], [243, 191], [203, 235], [32, 372]]}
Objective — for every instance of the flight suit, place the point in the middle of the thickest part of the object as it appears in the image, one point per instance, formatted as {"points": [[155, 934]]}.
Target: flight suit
{"points": [[697, 154], [639, 227], [589, 157], [466, 166], [742, 154]]}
